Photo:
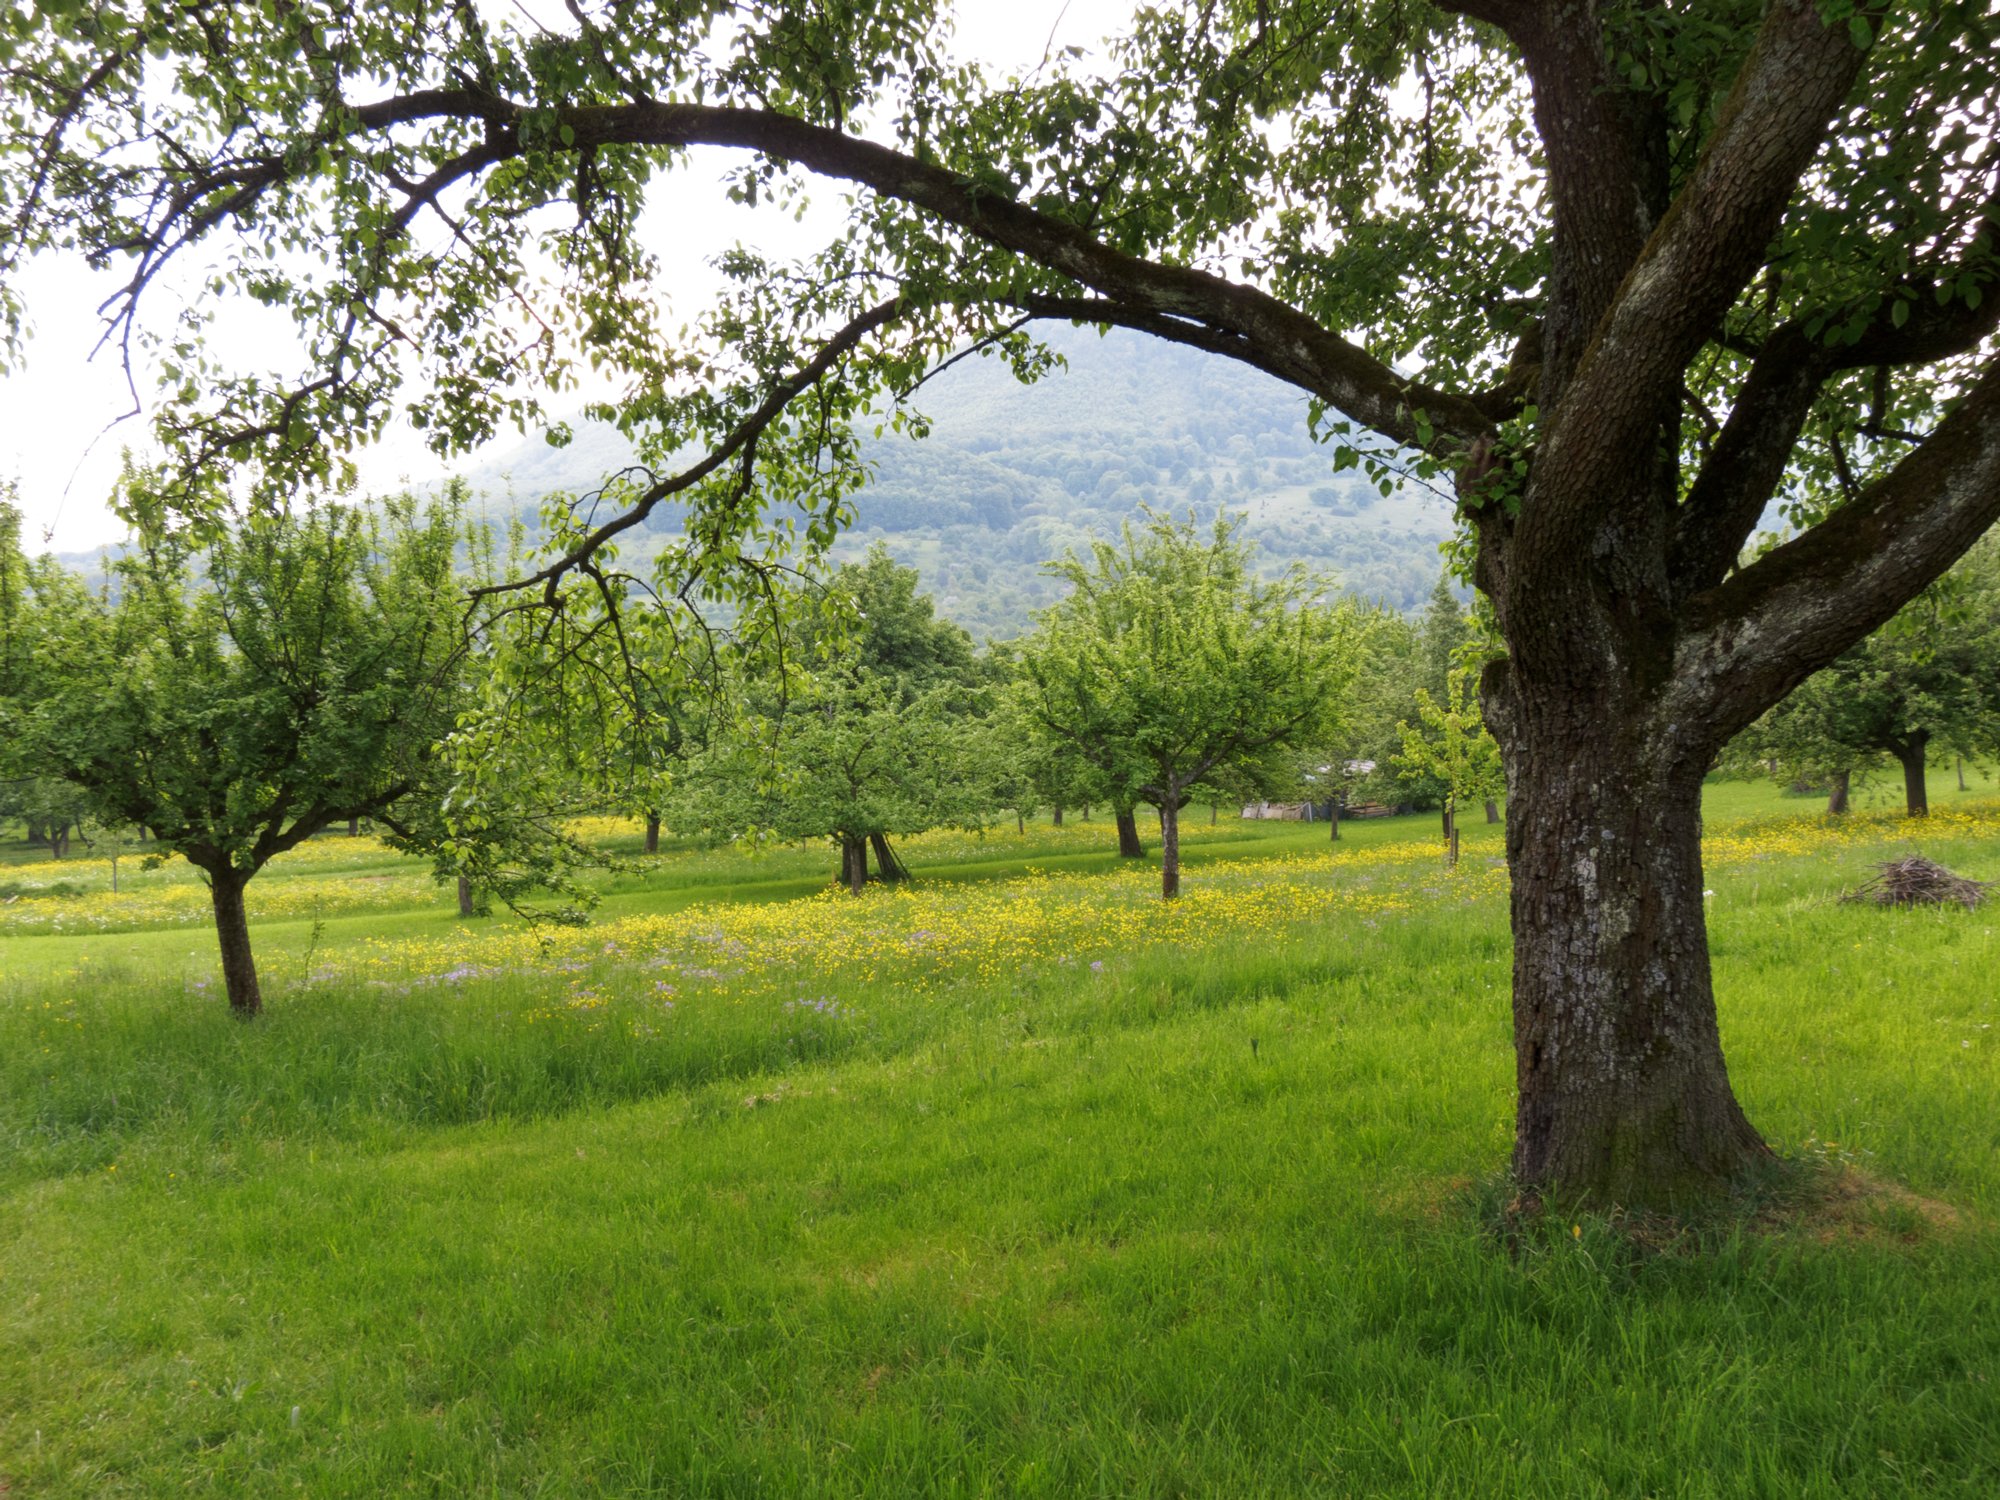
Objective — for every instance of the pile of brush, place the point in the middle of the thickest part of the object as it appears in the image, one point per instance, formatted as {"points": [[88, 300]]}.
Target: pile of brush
{"points": [[1916, 881]]}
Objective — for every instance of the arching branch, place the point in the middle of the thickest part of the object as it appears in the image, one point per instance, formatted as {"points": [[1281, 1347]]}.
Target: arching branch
{"points": [[1777, 621], [739, 443]]}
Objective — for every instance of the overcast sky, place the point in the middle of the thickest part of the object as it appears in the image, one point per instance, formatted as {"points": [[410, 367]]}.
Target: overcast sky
{"points": [[55, 410]]}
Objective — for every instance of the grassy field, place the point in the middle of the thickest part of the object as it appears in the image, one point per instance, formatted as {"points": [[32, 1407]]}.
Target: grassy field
{"points": [[1013, 1183]]}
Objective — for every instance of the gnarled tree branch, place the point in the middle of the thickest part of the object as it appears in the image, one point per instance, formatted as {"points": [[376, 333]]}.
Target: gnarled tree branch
{"points": [[1773, 624]]}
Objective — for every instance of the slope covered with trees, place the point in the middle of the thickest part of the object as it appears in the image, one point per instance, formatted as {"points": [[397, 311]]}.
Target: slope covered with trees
{"points": [[1012, 476]]}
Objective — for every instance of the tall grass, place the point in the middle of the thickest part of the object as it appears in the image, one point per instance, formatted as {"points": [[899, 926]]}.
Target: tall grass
{"points": [[1213, 1219]]}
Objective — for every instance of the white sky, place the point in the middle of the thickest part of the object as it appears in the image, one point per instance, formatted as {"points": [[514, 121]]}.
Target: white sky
{"points": [[54, 410]]}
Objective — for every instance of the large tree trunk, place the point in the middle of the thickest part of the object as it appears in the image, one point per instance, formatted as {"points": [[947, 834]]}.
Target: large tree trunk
{"points": [[1916, 792], [59, 841], [465, 902], [1623, 1096], [1492, 811], [232, 934], [853, 863], [1055, 819], [1837, 792], [1170, 847], [1129, 846], [354, 828], [652, 833]]}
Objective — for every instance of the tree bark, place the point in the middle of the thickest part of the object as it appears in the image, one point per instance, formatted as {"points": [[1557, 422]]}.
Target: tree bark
{"points": [[464, 897], [1214, 812], [354, 828], [1020, 822], [1333, 821], [1623, 1095], [1961, 772], [1055, 818], [59, 841], [887, 865], [652, 833], [1129, 846], [1837, 792], [1916, 791], [853, 863], [1492, 811], [1170, 847], [1450, 837], [232, 935]]}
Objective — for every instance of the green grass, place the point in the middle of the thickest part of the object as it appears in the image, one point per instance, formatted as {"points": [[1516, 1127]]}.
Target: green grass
{"points": [[1214, 1220]]}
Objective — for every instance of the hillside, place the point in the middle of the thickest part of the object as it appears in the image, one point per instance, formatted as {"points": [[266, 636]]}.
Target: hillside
{"points": [[1011, 475]]}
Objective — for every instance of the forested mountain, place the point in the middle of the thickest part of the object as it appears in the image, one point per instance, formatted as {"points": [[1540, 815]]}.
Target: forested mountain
{"points": [[1011, 475]]}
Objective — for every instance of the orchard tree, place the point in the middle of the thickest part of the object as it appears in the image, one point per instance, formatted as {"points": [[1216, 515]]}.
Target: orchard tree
{"points": [[861, 764], [238, 698], [1169, 665], [1926, 683], [1450, 745], [1357, 761], [1621, 275], [1451, 638], [873, 729]]}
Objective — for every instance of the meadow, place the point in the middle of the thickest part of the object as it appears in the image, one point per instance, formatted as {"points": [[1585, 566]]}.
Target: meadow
{"points": [[1014, 1181]]}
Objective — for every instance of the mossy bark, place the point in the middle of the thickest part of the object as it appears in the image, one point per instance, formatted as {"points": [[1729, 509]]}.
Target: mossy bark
{"points": [[1623, 1094]]}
